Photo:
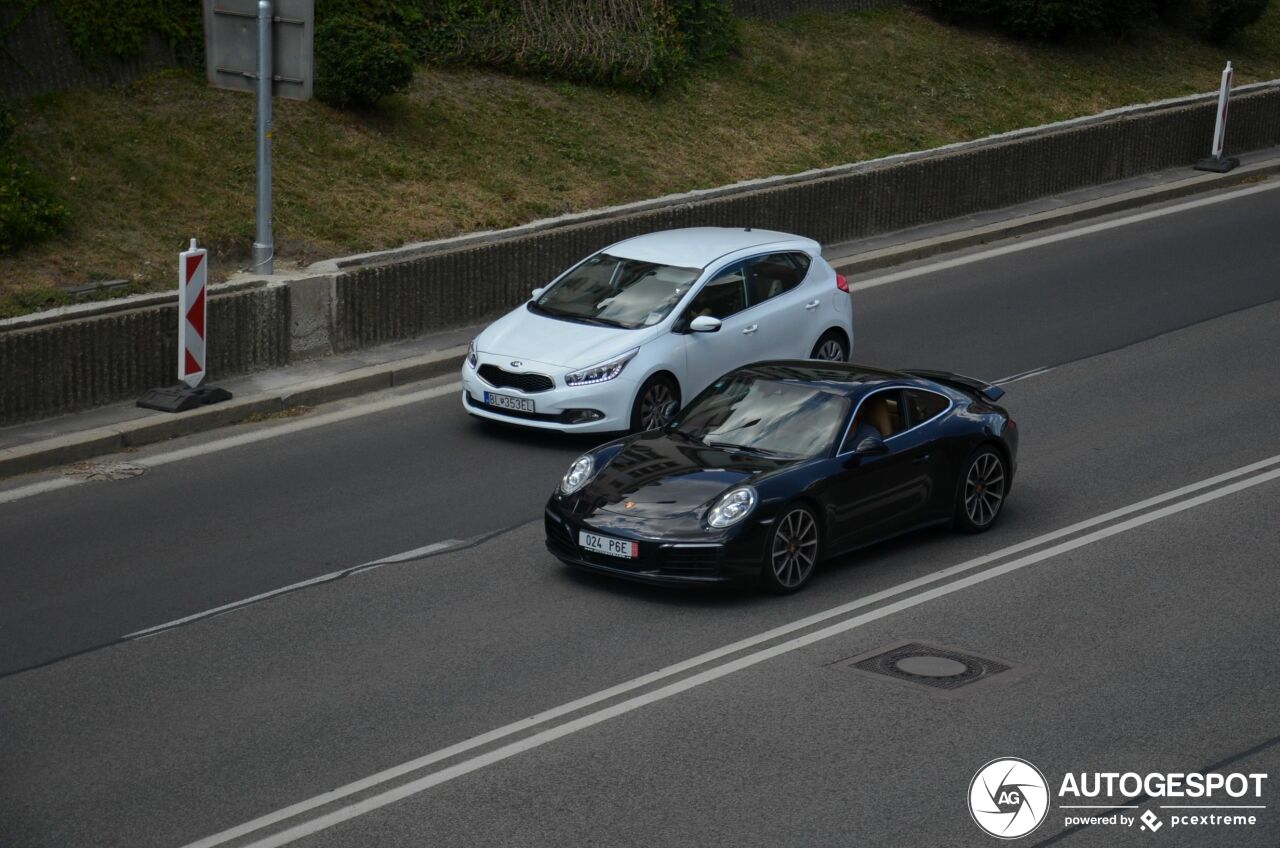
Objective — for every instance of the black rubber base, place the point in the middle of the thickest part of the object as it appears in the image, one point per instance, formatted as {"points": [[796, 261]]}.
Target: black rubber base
{"points": [[1218, 166], [182, 398]]}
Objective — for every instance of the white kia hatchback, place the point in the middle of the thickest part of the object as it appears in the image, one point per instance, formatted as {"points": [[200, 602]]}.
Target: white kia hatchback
{"points": [[622, 339]]}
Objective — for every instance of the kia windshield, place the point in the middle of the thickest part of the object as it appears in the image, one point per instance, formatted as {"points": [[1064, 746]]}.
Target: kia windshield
{"points": [[616, 292]]}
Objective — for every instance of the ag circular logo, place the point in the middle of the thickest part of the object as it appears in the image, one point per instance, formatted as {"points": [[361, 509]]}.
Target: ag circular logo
{"points": [[1008, 798]]}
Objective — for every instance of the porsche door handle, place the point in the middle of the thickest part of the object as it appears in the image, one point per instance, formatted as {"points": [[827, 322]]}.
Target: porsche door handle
{"points": [[746, 331], [813, 304], [921, 458]]}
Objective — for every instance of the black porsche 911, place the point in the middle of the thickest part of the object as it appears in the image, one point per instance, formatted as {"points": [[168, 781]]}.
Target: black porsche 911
{"points": [[780, 465]]}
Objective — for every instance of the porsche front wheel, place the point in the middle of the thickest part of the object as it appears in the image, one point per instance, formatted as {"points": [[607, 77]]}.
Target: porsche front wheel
{"points": [[792, 552]]}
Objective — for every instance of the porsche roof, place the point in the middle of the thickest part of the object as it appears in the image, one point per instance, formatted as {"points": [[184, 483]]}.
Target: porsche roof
{"points": [[698, 247]]}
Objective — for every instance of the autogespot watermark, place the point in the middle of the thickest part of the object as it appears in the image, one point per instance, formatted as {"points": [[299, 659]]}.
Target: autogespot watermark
{"points": [[1010, 797]]}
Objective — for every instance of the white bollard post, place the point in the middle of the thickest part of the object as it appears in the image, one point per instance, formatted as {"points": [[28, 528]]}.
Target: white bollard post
{"points": [[1216, 161]]}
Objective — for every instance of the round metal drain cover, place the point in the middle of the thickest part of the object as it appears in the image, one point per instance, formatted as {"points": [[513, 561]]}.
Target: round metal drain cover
{"points": [[927, 666]]}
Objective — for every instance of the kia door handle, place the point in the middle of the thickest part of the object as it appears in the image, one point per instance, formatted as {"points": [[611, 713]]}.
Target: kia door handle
{"points": [[746, 331], [813, 304]]}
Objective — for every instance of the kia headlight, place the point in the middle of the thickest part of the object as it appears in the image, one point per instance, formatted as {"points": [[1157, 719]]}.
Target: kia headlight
{"points": [[578, 474], [602, 373], [472, 359], [732, 507]]}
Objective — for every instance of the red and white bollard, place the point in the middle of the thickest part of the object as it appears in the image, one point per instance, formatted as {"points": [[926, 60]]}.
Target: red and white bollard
{"points": [[193, 325], [1216, 161]]}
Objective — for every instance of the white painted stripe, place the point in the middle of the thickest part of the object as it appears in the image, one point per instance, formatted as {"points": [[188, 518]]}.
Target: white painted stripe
{"points": [[1023, 375], [710, 656], [271, 432], [39, 488], [421, 784], [323, 578], [298, 426], [1029, 244]]}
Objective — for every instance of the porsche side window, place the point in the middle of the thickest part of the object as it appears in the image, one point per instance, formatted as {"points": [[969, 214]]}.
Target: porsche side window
{"points": [[722, 296], [772, 275], [922, 406], [880, 413]]}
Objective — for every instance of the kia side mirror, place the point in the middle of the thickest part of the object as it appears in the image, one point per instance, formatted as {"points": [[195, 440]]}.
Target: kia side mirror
{"points": [[537, 293], [705, 324]]}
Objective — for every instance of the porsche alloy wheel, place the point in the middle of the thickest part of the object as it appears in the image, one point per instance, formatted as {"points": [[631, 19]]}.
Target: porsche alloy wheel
{"points": [[793, 551], [982, 491]]}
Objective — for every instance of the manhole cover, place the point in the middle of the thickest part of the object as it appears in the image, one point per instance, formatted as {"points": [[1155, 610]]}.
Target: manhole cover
{"points": [[930, 665], [104, 470]]}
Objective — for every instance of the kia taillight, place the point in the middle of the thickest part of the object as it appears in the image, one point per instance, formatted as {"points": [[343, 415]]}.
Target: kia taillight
{"points": [[842, 283]]}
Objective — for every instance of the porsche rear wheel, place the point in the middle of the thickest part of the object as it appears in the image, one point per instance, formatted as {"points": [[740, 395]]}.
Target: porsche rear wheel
{"points": [[792, 553], [980, 494]]}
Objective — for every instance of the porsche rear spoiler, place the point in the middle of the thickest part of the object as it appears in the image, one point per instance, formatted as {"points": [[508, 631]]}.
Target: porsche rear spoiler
{"points": [[958, 381]]}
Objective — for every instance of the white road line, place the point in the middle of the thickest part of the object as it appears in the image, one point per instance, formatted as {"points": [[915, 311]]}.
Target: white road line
{"points": [[297, 426], [421, 784], [323, 578], [272, 432], [1041, 241], [710, 656], [1023, 375], [39, 488]]}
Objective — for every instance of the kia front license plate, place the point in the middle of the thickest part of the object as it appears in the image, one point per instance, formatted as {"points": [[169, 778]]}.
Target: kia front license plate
{"points": [[509, 402], [605, 545]]}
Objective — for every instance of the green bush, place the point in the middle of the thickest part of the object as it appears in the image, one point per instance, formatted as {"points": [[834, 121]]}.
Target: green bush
{"points": [[1212, 20], [1050, 19], [359, 61], [119, 29], [28, 213]]}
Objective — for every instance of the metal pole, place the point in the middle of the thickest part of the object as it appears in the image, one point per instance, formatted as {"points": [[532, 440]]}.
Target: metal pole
{"points": [[263, 246]]}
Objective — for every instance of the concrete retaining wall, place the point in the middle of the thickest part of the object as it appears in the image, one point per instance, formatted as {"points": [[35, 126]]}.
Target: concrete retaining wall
{"points": [[404, 294], [69, 365]]}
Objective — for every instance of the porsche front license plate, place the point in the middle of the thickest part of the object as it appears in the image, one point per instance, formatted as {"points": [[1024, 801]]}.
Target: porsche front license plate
{"points": [[605, 545], [509, 402]]}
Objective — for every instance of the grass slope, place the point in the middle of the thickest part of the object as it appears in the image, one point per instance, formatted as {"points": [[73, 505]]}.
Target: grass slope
{"points": [[145, 167]]}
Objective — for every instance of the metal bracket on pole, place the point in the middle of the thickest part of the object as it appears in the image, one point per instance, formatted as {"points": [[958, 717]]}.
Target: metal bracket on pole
{"points": [[263, 245], [1215, 161]]}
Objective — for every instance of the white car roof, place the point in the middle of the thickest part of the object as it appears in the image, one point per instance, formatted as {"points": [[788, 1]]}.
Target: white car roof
{"points": [[698, 247]]}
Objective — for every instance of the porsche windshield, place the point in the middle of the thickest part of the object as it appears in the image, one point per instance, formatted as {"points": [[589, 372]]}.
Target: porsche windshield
{"points": [[781, 418], [617, 292]]}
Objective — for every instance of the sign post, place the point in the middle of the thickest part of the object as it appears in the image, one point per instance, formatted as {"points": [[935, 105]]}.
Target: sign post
{"points": [[264, 248], [1216, 162], [193, 312]]}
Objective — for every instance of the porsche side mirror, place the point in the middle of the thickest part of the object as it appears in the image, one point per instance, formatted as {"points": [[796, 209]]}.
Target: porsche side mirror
{"points": [[705, 324], [871, 446], [537, 293]]}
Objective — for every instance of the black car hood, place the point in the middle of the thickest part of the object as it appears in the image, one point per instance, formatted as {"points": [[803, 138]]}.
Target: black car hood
{"points": [[666, 476]]}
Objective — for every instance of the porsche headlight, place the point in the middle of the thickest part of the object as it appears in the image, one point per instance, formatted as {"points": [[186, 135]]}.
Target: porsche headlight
{"points": [[578, 474], [601, 373], [471, 354], [732, 507]]}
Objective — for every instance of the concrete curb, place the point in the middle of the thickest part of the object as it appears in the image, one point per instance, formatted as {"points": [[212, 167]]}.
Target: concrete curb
{"points": [[872, 260], [71, 448], [61, 450]]}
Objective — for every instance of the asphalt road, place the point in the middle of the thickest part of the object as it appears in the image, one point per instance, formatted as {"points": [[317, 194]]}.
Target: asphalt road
{"points": [[1151, 649]]}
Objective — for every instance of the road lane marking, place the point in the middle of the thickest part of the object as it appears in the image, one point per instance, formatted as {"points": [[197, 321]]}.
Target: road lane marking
{"points": [[1022, 375], [241, 439], [1041, 241], [421, 762], [434, 547]]}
